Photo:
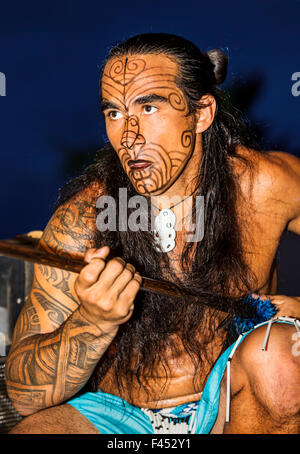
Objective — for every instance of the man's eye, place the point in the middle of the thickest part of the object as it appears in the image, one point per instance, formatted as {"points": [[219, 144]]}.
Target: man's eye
{"points": [[149, 109], [114, 115]]}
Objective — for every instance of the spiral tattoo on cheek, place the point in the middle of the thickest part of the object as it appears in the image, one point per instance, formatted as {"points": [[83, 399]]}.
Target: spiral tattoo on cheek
{"points": [[167, 165], [188, 139]]}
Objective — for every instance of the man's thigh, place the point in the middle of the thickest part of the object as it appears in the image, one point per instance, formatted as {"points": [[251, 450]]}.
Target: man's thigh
{"points": [[62, 419]]}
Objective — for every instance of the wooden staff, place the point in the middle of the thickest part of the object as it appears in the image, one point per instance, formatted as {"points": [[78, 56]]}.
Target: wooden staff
{"points": [[24, 247]]}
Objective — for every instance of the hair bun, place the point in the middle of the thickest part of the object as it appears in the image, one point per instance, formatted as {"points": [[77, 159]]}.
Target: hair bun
{"points": [[220, 63]]}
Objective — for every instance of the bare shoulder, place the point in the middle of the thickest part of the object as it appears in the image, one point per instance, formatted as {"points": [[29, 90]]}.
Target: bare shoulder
{"points": [[270, 178], [286, 176], [71, 229], [270, 169], [283, 170]]}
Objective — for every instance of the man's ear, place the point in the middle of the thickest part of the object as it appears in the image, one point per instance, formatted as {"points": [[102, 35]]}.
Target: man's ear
{"points": [[205, 115]]}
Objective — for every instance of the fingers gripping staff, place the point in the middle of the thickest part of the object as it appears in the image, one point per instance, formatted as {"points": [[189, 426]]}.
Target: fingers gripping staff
{"points": [[107, 290]]}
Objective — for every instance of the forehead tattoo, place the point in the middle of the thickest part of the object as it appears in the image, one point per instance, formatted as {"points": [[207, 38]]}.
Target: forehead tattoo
{"points": [[118, 82], [129, 80]]}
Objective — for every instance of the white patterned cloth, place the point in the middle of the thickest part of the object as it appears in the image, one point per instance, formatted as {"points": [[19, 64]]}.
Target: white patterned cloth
{"points": [[179, 420]]}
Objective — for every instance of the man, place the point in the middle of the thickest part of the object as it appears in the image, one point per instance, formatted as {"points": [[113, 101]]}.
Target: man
{"points": [[172, 135]]}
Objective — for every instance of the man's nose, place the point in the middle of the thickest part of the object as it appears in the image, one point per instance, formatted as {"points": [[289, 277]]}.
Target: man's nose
{"points": [[131, 135]]}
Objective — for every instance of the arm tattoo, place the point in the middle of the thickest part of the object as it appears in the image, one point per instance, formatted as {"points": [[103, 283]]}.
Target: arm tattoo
{"points": [[55, 349], [72, 229]]}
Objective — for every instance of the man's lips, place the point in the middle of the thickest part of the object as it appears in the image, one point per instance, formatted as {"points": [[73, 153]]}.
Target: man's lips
{"points": [[138, 164]]}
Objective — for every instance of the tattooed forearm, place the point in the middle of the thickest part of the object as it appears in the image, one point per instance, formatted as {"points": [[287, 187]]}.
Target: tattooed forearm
{"points": [[59, 279], [48, 369]]}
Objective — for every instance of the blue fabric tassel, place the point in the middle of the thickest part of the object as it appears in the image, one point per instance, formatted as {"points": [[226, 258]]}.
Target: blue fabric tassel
{"points": [[265, 310]]}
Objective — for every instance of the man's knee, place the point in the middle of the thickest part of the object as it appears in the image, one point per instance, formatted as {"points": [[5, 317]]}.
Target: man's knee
{"points": [[273, 369], [62, 419]]}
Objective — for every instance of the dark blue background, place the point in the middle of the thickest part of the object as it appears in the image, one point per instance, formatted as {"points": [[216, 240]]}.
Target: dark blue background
{"points": [[51, 52]]}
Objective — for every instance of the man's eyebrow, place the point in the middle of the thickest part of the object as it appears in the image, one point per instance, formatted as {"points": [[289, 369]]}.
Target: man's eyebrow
{"points": [[108, 105], [150, 98], [141, 100]]}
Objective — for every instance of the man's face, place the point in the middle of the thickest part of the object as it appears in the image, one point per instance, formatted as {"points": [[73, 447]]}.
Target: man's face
{"points": [[146, 120]]}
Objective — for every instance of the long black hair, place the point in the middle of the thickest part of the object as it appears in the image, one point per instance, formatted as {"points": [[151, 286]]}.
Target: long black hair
{"points": [[216, 265]]}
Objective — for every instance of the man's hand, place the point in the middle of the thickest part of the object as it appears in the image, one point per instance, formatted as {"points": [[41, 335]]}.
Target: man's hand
{"points": [[107, 290], [288, 306]]}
